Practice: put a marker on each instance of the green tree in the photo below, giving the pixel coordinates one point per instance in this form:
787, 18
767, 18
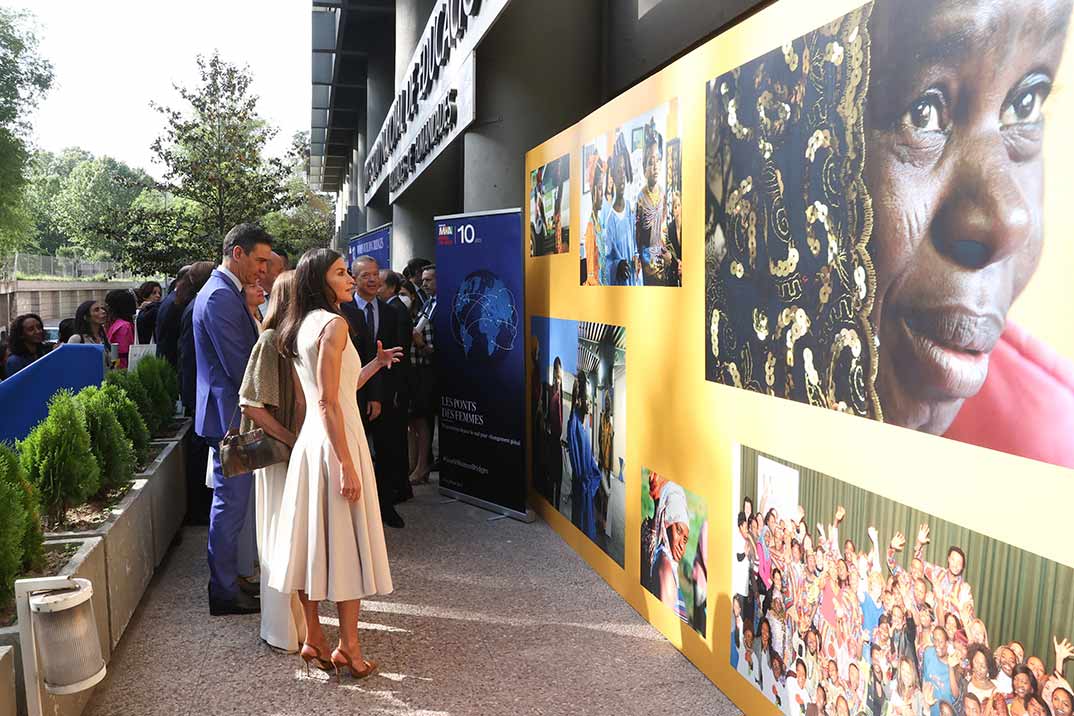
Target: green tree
25, 77
48, 172
95, 194
214, 149
309, 221
160, 232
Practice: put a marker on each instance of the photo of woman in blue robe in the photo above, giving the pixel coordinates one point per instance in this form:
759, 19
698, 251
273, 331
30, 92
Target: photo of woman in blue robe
620, 264
585, 473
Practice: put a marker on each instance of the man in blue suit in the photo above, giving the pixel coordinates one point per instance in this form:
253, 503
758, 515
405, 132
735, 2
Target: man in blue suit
224, 336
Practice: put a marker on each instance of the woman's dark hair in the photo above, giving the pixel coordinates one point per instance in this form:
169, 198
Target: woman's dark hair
17, 333
1040, 702
653, 138
416, 303
82, 321
978, 648
621, 155
311, 293
146, 289
67, 329
1023, 669
958, 622
121, 303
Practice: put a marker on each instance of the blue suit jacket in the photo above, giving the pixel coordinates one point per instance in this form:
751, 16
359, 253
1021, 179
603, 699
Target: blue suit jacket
224, 336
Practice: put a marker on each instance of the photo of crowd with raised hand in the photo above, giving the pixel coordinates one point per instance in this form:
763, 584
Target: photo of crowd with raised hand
834, 616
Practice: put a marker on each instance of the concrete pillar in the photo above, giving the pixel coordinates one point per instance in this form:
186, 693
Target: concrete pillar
436, 190
522, 98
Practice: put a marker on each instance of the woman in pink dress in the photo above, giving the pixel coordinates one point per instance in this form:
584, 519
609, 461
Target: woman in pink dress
121, 307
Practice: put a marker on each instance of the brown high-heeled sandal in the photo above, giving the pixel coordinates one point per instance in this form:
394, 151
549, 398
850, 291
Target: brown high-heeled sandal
311, 653
344, 662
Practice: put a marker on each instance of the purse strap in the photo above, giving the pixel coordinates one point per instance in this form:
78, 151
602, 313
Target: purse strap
235, 430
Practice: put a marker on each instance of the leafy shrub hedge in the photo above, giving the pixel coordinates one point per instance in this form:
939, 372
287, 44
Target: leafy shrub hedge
57, 458
132, 385
129, 418
110, 445
31, 551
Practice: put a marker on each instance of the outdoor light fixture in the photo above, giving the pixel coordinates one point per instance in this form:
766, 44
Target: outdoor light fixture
58, 637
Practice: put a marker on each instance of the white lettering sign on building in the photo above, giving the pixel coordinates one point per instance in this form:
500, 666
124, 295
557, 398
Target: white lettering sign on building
436, 100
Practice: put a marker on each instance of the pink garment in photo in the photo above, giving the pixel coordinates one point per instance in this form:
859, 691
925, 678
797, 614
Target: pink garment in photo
1026, 406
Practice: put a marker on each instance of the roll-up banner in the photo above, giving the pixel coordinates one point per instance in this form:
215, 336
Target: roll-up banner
376, 243
480, 360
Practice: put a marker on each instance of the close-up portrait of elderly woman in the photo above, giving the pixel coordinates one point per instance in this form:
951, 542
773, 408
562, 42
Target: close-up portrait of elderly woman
875, 206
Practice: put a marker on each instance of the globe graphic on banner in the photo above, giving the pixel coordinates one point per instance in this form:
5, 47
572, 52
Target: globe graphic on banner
484, 318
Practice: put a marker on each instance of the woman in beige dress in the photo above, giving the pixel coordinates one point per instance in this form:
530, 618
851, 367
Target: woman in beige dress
329, 540
272, 400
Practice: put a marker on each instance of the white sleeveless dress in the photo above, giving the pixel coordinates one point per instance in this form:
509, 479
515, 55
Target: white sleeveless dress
325, 546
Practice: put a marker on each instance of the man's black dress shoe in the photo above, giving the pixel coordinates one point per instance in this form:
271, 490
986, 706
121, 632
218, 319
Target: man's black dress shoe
391, 518
241, 604
250, 589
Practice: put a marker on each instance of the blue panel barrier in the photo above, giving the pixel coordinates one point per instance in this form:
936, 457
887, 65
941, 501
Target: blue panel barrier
24, 396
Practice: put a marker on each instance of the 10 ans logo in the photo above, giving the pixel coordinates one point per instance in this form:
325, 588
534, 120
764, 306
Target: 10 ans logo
448, 235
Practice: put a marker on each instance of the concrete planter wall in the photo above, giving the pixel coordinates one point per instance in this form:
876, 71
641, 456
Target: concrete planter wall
128, 547
166, 483
7, 680
89, 563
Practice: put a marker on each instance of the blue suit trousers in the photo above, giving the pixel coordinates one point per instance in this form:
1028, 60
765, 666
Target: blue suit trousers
231, 497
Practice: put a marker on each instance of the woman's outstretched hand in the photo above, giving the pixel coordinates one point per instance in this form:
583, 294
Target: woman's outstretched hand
388, 356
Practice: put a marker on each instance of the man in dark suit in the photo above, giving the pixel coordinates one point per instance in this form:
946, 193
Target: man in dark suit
169, 317
224, 336
373, 320
390, 285
198, 497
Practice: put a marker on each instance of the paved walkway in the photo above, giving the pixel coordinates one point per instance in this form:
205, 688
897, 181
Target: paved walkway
487, 618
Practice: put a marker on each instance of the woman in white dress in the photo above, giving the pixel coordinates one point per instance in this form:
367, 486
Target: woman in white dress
272, 399
329, 540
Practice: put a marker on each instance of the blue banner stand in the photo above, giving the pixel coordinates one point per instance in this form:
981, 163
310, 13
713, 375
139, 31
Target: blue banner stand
480, 361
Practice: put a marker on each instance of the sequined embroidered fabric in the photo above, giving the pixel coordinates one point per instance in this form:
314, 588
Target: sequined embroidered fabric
789, 283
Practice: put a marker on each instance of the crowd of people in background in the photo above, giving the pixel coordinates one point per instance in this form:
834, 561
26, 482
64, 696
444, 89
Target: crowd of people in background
823, 627
110, 323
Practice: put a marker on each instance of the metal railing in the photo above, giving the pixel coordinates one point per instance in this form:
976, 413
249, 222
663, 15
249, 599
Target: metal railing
28, 267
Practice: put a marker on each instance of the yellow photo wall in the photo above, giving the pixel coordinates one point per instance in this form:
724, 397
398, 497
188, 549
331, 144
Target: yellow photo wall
871, 229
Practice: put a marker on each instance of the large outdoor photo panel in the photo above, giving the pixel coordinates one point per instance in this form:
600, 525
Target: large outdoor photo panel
875, 206
579, 425
846, 602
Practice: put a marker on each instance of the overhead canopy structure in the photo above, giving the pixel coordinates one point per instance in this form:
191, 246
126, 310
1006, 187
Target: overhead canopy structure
341, 32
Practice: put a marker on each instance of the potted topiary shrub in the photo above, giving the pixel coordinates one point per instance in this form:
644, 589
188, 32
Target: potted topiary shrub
135, 390
110, 445
129, 418
150, 372
57, 458
33, 536
13, 522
